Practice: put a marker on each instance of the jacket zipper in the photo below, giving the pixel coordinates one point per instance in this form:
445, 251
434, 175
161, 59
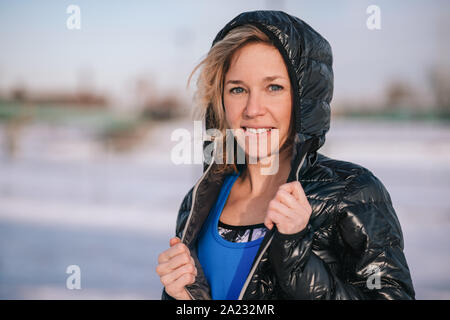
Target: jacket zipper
194, 194
252, 271
258, 259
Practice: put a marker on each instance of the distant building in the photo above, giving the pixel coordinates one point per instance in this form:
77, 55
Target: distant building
80, 99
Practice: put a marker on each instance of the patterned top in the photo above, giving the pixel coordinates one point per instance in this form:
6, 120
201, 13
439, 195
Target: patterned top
241, 233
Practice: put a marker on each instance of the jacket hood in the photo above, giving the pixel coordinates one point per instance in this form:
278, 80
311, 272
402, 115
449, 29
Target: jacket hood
308, 58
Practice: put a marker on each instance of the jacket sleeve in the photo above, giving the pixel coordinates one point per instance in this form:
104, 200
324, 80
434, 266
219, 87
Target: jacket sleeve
368, 246
183, 213
166, 296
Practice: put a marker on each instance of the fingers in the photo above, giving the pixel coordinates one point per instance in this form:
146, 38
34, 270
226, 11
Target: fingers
177, 287
278, 212
290, 202
296, 189
176, 269
286, 198
281, 208
174, 263
270, 220
177, 273
275, 217
173, 241
174, 250
289, 209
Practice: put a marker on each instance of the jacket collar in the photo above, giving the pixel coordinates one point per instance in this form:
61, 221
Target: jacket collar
208, 187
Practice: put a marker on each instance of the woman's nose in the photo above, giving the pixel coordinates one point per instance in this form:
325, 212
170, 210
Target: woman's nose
254, 106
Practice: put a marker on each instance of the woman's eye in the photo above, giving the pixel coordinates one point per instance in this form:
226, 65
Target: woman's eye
237, 90
275, 87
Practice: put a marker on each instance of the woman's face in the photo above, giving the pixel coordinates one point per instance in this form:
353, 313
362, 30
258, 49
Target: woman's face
257, 99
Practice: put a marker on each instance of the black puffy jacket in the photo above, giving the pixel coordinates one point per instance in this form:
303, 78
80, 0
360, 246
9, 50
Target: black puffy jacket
353, 233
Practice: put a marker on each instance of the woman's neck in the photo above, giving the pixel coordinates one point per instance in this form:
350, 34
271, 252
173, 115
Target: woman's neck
267, 174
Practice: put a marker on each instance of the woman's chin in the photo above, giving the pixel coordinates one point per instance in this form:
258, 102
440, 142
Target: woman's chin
254, 157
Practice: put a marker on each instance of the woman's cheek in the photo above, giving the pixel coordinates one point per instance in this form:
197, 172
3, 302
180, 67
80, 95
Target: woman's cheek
232, 114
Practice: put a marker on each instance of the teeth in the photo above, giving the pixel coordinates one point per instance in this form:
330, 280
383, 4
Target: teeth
256, 131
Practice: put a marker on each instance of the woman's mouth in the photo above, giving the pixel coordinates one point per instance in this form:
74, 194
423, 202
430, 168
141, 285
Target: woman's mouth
256, 131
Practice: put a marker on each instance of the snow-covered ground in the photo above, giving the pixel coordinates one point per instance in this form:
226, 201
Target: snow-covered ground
65, 201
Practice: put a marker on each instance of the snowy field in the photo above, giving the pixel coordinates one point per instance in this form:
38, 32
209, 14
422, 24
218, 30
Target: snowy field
65, 201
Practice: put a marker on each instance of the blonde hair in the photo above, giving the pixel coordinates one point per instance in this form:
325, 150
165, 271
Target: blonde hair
210, 82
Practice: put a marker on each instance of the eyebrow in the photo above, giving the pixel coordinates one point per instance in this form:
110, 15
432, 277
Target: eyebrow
266, 79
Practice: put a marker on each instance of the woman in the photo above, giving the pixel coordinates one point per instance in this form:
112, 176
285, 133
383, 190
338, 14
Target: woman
314, 227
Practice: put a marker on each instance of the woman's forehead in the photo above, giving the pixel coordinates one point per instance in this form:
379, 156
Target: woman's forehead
257, 60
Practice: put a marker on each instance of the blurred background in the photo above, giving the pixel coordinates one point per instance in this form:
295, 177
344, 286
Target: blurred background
86, 116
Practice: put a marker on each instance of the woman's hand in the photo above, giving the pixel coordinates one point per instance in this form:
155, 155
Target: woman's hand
176, 269
289, 209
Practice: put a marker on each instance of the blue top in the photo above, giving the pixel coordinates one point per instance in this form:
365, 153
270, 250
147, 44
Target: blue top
226, 264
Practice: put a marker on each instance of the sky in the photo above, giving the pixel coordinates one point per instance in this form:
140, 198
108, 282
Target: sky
162, 41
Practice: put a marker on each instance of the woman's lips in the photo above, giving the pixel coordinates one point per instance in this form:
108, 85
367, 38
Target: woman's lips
257, 131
